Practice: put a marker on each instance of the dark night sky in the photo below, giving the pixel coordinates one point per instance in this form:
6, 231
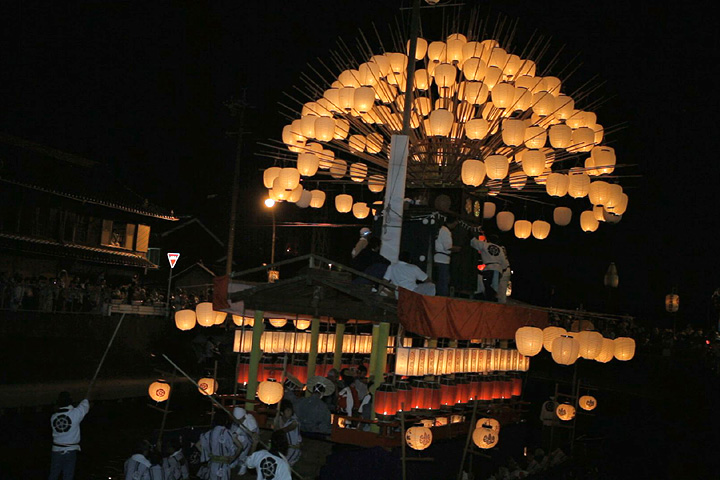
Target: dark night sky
140, 86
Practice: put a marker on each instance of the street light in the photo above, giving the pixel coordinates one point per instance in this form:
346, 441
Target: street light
270, 203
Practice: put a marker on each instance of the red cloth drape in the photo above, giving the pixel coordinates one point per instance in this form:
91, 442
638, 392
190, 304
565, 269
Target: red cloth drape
220, 292
442, 317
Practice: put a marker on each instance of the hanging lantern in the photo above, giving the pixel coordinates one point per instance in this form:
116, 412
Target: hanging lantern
205, 314
603, 159
358, 171
476, 129
473, 172
343, 203
220, 317
278, 322
496, 167
560, 136
529, 340
338, 169
485, 438
557, 184
505, 221
590, 344
301, 323
441, 122
374, 143
185, 319
305, 198
474, 69
562, 216
513, 132
672, 304
159, 391
579, 183
535, 137
624, 348
241, 321
549, 336
518, 180
607, 352
503, 95
269, 176
543, 103
363, 99
270, 392
588, 223
404, 395
207, 386
533, 162
385, 401
587, 402
376, 183
583, 139
475, 93
523, 228
418, 438
288, 179
318, 198
565, 412
488, 209
445, 75
360, 210
324, 128
307, 164
565, 350
564, 107
540, 229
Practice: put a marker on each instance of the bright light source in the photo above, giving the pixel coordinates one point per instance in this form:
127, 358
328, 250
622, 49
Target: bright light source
269, 202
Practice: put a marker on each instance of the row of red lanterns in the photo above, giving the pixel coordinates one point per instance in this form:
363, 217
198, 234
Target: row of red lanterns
267, 370
421, 395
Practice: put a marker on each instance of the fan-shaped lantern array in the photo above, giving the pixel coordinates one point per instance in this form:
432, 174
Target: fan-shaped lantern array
475, 107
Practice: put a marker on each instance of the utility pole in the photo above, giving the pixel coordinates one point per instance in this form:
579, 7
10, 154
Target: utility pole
237, 108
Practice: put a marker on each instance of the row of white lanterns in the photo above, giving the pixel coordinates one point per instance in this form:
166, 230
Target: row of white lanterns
567, 347
299, 342
205, 316
447, 361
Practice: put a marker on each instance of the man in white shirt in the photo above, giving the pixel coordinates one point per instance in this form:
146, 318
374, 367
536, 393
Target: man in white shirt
443, 249
65, 424
407, 275
496, 274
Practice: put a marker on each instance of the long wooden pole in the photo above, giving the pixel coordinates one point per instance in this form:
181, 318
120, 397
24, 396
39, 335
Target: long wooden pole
314, 336
339, 337
467, 440
255, 354
165, 411
102, 360
402, 440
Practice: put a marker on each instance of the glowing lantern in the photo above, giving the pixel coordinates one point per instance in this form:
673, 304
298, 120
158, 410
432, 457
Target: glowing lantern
185, 319
564, 107
476, 129
614, 197
420, 48
318, 198
473, 172
358, 171
496, 167
540, 229
374, 143
445, 75
441, 122
301, 323
505, 221
474, 92
560, 136
565, 350
624, 348
672, 303
343, 203
562, 216
523, 228
385, 401
588, 222
357, 143
338, 169
361, 210
485, 438
220, 317
543, 103
488, 210
241, 321
159, 391
376, 183
278, 322
288, 179
590, 344
603, 159
363, 99
565, 412
535, 137
269, 176
207, 386
518, 180
307, 164
533, 162
270, 392
503, 95
549, 336
583, 139
607, 352
579, 184
513, 132
205, 314
418, 438
557, 184
587, 402
529, 340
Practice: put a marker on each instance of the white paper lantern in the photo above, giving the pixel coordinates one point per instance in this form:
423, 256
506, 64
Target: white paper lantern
205, 314
185, 319
488, 209
533, 162
587, 402
441, 122
343, 203
376, 183
550, 334
607, 351
557, 184
624, 348
523, 228
513, 132
562, 216
269, 176
565, 350
318, 198
590, 344
496, 167
358, 171
560, 136
361, 210
540, 229
529, 340
505, 221
588, 223
338, 169
473, 172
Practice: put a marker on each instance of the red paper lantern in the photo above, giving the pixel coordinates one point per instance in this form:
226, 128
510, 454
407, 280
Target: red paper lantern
463, 390
475, 387
420, 395
517, 386
404, 399
496, 387
386, 397
433, 398
486, 388
243, 373
507, 388
448, 392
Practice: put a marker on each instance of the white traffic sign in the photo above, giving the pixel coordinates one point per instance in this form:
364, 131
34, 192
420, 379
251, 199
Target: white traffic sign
173, 258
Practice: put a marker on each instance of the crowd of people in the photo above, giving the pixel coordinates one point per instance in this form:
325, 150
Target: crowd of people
492, 282
65, 292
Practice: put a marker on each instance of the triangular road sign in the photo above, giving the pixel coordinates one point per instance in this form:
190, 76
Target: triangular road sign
173, 258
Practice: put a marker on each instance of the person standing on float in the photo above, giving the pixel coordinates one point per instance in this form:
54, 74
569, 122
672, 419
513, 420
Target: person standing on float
65, 424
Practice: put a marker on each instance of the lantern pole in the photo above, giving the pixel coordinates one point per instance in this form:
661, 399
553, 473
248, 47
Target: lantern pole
237, 107
314, 336
165, 412
102, 360
255, 354
339, 336
467, 440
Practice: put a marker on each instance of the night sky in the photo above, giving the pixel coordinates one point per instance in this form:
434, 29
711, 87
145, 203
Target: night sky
140, 87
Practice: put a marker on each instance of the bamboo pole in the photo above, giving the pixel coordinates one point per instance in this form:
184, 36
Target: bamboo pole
314, 336
467, 440
102, 360
339, 336
255, 354
165, 411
